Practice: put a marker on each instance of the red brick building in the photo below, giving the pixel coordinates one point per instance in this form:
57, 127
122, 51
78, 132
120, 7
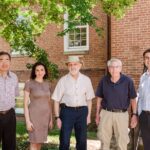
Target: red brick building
125, 39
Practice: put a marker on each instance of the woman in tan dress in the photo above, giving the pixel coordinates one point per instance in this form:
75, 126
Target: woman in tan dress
37, 106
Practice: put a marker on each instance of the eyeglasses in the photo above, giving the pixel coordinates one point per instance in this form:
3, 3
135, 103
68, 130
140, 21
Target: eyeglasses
147, 58
114, 67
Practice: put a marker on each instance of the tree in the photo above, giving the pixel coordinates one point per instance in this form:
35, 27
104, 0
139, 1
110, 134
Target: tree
21, 21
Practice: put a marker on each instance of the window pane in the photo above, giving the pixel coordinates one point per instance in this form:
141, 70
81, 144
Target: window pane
71, 32
83, 36
71, 37
71, 43
83, 43
77, 37
83, 30
77, 43
78, 30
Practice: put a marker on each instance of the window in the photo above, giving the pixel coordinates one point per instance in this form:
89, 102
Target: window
13, 53
76, 40
17, 53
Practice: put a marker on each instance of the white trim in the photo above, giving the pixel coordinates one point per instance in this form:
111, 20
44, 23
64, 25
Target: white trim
66, 39
18, 54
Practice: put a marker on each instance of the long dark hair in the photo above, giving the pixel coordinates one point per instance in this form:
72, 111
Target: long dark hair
33, 75
144, 53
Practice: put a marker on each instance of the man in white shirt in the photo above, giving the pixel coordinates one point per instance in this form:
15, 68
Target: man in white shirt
72, 104
8, 90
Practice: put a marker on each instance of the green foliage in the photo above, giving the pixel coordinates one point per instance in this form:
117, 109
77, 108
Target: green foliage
22, 136
116, 7
22, 21
21, 31
42, 12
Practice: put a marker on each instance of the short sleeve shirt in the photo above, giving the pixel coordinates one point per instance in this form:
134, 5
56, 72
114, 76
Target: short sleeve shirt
116, 95
74, 92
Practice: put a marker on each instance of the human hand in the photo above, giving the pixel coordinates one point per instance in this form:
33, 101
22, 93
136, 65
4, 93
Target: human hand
59, 123
51, 124
88, 119
29, 126
97, 119
134, 121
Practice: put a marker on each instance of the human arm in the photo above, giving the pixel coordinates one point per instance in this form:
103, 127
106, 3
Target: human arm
56, 111
89, 96
98, 109
51, 117
140, 96
57, 96
29, 124
89, 104
133, 122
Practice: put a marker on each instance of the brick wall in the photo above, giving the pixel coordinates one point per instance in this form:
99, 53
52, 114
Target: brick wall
94, 60
54, 45
131, 36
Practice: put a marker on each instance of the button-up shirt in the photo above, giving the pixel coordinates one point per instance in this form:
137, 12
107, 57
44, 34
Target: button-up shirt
144, 93
74, 92
8, 91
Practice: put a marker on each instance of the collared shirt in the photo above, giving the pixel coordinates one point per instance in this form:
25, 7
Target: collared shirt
8, 91
144, 93
74, 92
116, 95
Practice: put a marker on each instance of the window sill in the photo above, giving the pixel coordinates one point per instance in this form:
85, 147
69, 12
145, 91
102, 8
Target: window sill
76, 52
18, 56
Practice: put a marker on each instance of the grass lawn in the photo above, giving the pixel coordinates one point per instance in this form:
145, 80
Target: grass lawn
53, 138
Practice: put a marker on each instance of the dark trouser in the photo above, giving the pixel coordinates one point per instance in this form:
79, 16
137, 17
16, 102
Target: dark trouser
8, 130
144, 121
77, 119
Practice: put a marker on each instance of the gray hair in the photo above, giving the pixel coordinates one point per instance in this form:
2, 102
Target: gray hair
118, 61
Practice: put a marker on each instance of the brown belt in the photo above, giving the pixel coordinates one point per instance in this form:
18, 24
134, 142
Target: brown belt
4, 112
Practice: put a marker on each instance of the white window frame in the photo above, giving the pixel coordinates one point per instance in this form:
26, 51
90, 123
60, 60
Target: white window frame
13, 53
66, 39
18, 54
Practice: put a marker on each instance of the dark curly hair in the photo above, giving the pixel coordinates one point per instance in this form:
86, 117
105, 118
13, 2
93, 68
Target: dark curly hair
33, 75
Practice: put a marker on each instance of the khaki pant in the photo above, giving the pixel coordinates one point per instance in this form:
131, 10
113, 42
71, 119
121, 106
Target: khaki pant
116, 122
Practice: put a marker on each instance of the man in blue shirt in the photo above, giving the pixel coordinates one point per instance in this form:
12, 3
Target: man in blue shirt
114, 94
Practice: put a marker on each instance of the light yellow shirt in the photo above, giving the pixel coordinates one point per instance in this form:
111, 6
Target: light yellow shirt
74, 92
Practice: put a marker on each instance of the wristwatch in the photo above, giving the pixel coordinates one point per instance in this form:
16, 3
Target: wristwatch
56, 117
134, 114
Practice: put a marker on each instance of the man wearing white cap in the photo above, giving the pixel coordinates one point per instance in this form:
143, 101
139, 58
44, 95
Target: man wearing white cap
72, 103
